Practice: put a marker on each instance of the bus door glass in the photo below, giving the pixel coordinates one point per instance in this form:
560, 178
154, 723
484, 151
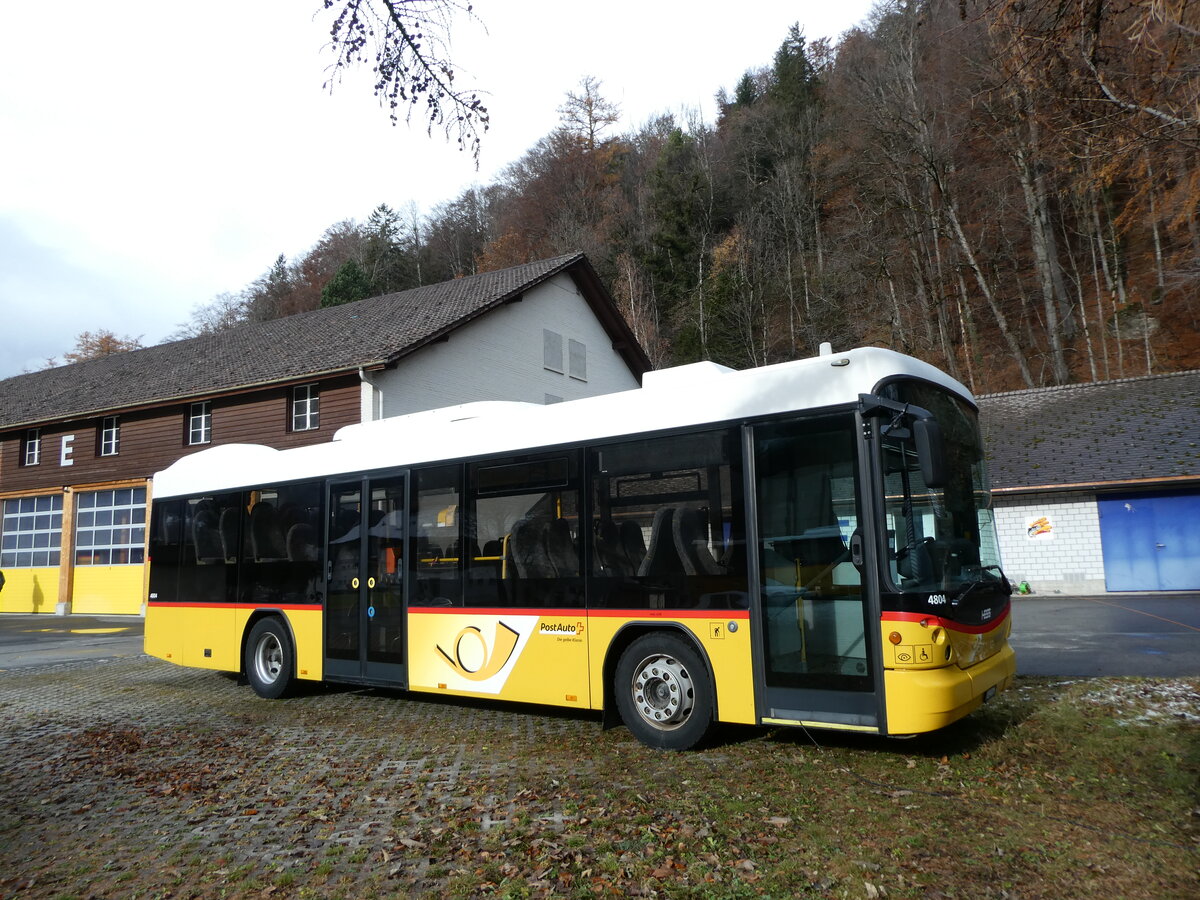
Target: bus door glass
816, 654
364, 614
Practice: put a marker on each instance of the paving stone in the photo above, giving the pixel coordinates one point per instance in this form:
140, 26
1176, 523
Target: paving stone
141, 773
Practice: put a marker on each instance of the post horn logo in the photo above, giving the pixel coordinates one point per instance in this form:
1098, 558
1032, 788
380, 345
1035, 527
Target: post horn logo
473, 659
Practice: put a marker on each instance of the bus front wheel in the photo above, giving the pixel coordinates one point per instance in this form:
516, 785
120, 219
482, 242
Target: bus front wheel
270, 659
663, 693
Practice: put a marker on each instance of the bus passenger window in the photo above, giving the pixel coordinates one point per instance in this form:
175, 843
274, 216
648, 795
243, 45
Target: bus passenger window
280, 556
523, 522
436, 547
210, 548
166, 549
667, 525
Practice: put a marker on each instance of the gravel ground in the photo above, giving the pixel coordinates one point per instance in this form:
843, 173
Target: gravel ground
137, 777
134, 778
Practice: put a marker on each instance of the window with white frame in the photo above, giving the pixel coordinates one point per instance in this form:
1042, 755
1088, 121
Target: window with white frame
31, 532
110, 436
32, 454
110, 527
200, 423
306, 408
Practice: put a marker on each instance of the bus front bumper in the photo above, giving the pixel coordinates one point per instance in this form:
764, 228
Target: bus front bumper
920, 700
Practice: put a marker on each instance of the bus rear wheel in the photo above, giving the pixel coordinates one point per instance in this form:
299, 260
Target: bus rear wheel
663, 693
270, 659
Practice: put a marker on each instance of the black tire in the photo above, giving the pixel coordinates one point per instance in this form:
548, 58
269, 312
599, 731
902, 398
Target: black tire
270, 660
663, 692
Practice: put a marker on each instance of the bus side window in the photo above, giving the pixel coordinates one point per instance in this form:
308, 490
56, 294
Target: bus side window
166, 549
667, 526
208, 573
280, 556
523, 525
436, 537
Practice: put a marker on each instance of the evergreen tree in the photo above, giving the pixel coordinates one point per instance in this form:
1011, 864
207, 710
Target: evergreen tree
389, 265
348, 284
266, 298
793, 76
746, 91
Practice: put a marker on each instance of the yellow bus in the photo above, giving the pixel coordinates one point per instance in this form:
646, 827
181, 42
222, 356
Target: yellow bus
807, 544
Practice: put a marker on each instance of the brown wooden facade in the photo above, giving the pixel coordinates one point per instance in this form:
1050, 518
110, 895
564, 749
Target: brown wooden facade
152, 439
72, 466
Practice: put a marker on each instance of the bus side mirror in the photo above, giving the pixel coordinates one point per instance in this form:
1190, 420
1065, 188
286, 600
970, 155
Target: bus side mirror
931, 451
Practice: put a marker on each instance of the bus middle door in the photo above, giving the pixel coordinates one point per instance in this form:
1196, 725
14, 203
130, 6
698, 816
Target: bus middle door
365, 602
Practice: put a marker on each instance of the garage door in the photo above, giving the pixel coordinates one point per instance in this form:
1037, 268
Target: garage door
1151, 541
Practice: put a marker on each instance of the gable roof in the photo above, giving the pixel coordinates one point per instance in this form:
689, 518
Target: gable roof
370, 333
1131, 431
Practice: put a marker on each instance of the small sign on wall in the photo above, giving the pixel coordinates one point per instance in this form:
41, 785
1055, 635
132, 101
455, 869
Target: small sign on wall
1039, 529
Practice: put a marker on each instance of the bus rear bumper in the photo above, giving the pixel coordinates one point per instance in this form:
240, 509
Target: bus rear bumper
920, 700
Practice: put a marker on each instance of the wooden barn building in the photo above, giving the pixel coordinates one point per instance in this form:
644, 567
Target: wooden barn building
79, 444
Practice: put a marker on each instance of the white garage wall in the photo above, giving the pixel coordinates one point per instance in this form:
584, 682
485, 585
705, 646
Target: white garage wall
1068, 560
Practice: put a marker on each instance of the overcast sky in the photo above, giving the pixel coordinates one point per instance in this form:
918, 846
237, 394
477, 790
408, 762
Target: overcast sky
155, 154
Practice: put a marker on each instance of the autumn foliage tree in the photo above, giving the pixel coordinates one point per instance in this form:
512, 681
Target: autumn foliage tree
1008, 190
96, 345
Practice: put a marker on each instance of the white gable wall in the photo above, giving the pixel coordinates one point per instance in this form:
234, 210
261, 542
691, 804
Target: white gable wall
500, 356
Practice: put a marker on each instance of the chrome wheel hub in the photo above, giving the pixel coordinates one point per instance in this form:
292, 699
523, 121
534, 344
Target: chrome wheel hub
268, 658
662, 692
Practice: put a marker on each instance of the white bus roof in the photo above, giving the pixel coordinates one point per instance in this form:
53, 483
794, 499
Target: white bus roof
669, 398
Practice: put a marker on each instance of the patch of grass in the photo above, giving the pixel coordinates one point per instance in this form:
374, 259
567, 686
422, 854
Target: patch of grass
1056, 789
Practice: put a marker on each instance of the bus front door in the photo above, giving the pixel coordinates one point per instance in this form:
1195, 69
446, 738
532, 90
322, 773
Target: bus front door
364, 607
817, 660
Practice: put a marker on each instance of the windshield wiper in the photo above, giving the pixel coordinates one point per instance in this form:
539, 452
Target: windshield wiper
970, 588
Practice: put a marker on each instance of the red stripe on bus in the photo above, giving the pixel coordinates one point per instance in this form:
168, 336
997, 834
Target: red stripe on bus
489, 611
672, 613
168, 604
610, 613
892, 616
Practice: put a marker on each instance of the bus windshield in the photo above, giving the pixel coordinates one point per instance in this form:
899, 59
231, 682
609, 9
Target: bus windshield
939, 539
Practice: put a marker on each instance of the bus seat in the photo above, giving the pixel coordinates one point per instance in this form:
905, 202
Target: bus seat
301, 543
266, 539
661, 556
691, 543
560, 549
611, 558
206, 537
427, 550
915, 563
229, 532
633, 543
528, 548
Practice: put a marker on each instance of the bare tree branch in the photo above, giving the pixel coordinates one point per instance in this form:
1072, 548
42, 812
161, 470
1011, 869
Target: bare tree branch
405, 43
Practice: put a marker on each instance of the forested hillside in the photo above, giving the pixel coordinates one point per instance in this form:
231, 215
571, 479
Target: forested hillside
1007, 189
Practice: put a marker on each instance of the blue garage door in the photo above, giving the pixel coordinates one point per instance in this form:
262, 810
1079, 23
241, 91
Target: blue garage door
1151, 541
